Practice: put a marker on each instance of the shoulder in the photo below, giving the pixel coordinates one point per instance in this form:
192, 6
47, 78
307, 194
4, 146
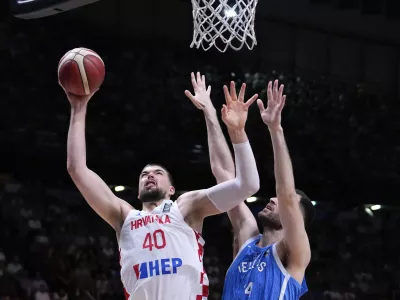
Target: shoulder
184, 209
250, 243
190, 196
190, 203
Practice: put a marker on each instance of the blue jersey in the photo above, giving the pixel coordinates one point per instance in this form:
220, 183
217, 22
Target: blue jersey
257, 273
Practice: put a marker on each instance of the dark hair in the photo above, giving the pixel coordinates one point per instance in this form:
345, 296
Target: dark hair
307, 208
164, 168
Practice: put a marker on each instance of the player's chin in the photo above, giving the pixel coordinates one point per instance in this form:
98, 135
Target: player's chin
151, 195
262, 214
266, 215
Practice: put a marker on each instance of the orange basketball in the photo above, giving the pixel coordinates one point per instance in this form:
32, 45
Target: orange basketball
81, 71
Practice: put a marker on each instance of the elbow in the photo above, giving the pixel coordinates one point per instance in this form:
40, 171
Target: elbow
254, 187
71, 168
74, 169
251, 186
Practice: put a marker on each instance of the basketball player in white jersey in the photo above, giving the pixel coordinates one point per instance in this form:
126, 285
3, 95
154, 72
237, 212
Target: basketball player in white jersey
161, 247
269, 266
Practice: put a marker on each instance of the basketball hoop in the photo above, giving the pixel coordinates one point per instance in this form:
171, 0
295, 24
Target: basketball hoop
218, 23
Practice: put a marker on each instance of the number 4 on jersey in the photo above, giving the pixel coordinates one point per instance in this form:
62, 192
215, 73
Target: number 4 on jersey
247, 291
148, 242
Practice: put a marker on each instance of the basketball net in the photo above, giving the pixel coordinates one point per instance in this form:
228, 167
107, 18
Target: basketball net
219, 24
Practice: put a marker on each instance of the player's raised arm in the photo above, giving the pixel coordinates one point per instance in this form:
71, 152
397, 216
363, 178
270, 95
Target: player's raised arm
93, 188
225, 196
295, 238
222, 165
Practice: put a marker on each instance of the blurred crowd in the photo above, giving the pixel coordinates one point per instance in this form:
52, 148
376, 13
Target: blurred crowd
343, 139
55, 247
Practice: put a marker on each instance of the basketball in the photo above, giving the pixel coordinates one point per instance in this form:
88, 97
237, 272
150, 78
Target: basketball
81, 71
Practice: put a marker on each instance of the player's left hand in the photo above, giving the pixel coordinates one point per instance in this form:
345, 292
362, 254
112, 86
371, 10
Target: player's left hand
276, 101
201, 98
234, 113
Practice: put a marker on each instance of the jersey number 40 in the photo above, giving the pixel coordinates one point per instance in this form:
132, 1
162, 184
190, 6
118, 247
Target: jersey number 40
156, 240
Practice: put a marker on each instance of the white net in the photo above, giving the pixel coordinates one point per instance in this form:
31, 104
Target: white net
223, 24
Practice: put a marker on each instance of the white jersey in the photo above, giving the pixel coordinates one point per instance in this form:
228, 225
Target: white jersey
161, 256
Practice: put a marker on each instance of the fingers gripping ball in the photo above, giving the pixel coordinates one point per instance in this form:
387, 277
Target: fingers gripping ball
81, 71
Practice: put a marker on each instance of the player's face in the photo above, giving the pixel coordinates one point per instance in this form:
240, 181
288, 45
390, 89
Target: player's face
154, 184
269, 216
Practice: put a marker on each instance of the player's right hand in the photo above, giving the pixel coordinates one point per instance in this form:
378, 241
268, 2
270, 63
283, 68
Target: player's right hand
77, 100
234, 113
201, 98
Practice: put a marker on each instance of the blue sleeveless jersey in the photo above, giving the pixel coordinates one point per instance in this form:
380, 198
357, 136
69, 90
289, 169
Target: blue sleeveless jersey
257, 273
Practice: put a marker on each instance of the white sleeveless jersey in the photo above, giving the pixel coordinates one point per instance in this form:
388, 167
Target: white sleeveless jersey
161, 256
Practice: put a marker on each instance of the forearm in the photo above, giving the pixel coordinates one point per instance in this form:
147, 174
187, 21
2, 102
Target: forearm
222, 165
283, 166
227, 195
76, 144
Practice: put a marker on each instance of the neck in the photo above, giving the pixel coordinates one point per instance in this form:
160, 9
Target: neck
270, 237
150, 206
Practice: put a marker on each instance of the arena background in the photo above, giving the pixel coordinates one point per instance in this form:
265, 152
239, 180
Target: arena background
340, 63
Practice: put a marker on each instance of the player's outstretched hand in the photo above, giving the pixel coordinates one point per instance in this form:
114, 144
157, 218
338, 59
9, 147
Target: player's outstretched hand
75, 100
201, 98
276, 101
234, 112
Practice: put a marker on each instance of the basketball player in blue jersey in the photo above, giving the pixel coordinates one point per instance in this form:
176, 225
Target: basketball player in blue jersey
271, 265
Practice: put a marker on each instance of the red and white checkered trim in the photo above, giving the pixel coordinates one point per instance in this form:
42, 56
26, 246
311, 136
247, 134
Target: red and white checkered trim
200, 244
203, 275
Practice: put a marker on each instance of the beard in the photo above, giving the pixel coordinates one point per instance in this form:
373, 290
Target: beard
153, 195
270, 221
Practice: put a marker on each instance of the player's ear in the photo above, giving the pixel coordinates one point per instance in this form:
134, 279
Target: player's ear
171, 190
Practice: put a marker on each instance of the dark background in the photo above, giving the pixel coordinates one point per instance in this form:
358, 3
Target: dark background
339, 61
